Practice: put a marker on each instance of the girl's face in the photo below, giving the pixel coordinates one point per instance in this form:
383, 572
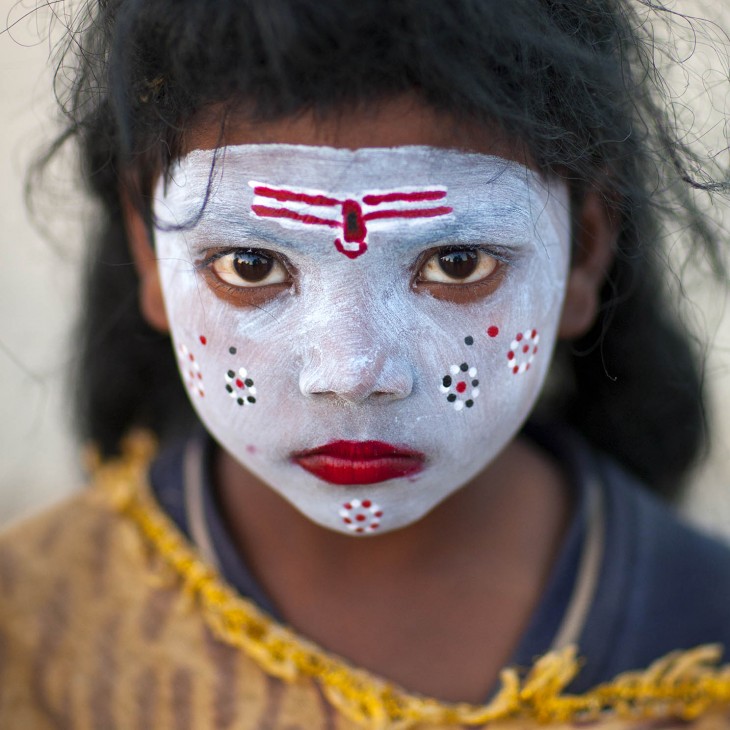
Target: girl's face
363, 329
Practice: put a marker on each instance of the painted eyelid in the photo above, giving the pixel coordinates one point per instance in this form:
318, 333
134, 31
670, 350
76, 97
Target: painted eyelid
501, 256
206, 264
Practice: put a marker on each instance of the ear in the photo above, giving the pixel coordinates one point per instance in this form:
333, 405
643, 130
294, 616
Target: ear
595, 232
151, 302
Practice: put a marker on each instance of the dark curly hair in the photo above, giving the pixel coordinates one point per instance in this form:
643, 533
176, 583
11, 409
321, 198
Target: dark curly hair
574, 81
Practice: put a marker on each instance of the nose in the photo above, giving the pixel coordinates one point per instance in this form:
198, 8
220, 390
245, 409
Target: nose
353, 364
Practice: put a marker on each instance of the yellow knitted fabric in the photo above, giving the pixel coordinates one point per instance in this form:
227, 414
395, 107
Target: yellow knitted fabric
108, 619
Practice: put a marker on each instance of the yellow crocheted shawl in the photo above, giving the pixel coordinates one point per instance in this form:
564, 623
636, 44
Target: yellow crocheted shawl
109, 619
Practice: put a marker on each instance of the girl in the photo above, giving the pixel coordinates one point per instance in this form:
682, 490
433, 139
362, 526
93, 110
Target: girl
362, 236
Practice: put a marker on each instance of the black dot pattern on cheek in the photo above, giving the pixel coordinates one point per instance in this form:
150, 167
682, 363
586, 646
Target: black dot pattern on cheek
474, 383
229, 388
232, 350
464, 367
469, 403
451, 397
447, 381
239, 401
231, 374
248, 382
251, 399
469, 340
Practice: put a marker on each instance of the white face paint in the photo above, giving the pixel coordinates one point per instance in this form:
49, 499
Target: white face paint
358, 378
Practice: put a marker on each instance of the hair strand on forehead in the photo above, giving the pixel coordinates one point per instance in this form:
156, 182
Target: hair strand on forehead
577, 83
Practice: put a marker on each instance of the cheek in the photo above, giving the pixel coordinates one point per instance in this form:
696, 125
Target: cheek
487, 368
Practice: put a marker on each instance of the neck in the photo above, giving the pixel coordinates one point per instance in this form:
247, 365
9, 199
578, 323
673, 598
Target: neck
459, 585
512, 516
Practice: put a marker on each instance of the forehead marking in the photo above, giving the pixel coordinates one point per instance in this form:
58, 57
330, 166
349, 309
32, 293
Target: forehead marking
349, 213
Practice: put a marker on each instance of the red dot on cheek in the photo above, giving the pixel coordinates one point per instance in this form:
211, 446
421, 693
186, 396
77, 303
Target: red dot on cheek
239, 383
366, 503
360, 518
460, 387
203, 340
493, 331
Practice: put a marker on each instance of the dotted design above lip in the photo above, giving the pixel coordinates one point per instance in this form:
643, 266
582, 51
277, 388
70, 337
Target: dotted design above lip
461, 386
240, 387
361, 515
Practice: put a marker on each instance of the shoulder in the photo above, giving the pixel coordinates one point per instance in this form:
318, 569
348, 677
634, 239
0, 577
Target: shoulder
671, 558
664, 584
56, 538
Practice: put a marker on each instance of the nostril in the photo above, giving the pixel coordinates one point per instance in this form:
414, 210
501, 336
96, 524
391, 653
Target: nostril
357, 378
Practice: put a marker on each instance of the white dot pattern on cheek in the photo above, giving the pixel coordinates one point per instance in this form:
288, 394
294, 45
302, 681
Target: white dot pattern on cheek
190, 370
522, 351
240, 387
461, 386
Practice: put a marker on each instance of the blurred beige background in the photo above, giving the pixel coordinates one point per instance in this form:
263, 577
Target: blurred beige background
39, 277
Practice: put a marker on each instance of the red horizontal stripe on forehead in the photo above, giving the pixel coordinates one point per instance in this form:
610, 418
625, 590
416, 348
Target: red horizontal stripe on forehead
284, 196
415, 213
404, 197
265, 212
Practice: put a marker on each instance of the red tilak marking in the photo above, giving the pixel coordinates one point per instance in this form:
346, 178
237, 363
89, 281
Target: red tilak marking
353, 222
266, 212
203, 340
284, 196
351, 254
404, 197
416, 213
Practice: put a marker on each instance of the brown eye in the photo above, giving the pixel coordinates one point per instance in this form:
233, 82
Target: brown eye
252, 266
457, 266
249, 268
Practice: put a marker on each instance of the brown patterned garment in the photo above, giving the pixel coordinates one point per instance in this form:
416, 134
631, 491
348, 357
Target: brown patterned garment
97, 632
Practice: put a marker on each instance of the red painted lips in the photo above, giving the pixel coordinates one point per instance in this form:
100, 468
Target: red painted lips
359, 462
